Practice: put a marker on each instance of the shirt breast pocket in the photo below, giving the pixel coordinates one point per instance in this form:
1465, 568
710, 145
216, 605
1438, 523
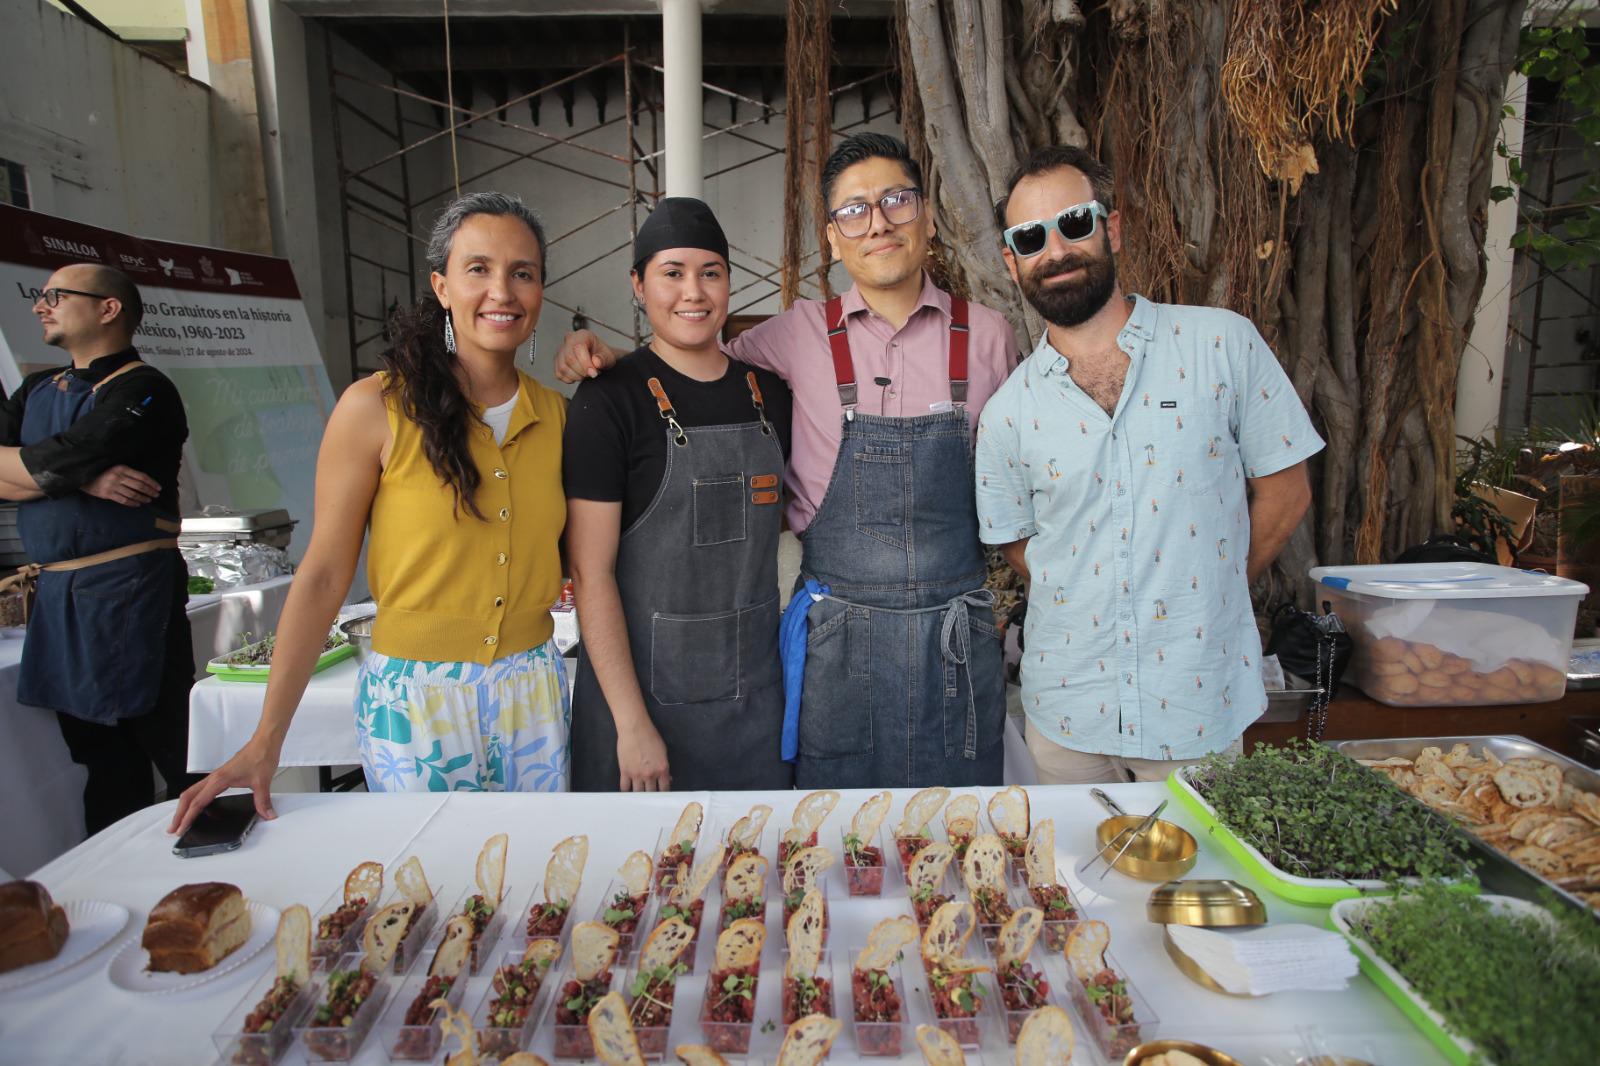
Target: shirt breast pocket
1187, 450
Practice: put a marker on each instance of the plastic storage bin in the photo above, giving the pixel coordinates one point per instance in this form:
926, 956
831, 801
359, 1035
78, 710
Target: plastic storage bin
1454, 634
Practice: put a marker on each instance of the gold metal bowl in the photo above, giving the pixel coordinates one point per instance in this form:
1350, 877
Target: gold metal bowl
1145, 1052
1205, 903
1165, 851
1194, 971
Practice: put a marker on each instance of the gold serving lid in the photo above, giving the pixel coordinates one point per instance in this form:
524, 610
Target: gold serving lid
1210, 904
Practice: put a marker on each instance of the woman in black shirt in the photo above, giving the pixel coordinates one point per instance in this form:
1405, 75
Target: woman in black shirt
673, 464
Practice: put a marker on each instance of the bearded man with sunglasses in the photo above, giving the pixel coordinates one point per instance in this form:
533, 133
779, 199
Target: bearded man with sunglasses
1140, 467
92, 451
892, 663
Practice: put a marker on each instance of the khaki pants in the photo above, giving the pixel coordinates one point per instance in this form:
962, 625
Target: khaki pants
1057, 765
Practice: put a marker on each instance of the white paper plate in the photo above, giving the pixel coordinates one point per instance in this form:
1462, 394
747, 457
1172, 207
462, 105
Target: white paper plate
92, 925
128, 965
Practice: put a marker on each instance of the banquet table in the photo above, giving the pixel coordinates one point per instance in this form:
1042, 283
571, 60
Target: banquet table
38, 777
79, 1015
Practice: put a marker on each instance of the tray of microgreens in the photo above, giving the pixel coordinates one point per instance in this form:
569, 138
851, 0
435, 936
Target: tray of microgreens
253, 662
1316, 826
1488, 979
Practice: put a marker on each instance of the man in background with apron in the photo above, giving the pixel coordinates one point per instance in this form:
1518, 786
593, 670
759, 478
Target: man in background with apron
899, 678
92, 452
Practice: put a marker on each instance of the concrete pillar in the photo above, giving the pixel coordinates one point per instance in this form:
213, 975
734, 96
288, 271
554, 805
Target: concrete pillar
1480, 381
239, 204
685, 119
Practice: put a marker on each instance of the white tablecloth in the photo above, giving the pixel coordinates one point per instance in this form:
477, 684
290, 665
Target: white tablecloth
223, 714
40, 783
303, 856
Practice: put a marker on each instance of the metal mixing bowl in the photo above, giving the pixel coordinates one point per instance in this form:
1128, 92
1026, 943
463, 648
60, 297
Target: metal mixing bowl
359, 632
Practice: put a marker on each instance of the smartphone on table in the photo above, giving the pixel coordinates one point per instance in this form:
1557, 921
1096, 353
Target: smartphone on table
222, 826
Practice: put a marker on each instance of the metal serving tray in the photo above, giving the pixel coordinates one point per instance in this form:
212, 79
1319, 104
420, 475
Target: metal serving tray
1290, 703
219, 525
1498, 872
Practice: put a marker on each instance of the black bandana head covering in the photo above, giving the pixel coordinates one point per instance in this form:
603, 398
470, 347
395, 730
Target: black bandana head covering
678, 222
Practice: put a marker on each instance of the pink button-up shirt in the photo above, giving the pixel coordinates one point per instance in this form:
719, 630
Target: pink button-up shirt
915, 358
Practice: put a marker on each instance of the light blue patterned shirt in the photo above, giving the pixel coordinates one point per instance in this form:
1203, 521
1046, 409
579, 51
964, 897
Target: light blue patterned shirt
1140, 640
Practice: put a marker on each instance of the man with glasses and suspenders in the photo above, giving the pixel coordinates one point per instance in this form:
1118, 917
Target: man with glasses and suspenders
898, 682
1138, 470
92, 452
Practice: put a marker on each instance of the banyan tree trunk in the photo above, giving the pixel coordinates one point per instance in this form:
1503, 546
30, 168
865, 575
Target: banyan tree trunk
1320, 167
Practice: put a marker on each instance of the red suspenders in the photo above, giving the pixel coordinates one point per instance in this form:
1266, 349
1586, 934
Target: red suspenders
844, 368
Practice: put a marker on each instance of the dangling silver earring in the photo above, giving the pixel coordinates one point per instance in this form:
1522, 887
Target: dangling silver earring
449, 335
533, 347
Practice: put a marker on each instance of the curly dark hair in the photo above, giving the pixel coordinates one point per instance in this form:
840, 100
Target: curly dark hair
422, 371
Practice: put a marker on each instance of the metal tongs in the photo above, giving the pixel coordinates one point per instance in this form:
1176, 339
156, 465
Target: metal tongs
1132, 834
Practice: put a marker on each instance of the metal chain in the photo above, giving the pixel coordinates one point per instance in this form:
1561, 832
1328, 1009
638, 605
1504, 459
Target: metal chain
1317, 714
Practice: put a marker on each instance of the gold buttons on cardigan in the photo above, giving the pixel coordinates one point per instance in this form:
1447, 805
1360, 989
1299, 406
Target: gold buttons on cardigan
499, 601
491, 641
500, 560
501, 474
505, 514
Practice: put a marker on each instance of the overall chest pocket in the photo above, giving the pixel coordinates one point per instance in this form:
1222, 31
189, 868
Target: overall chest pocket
882, 483
719, 510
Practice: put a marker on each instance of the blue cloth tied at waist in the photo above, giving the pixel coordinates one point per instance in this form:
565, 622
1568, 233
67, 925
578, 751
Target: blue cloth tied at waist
795, 628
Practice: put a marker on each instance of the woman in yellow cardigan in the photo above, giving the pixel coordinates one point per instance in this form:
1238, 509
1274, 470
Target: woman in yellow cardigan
453, 458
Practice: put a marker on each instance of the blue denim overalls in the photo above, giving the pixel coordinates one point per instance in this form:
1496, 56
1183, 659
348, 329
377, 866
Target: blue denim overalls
902, 683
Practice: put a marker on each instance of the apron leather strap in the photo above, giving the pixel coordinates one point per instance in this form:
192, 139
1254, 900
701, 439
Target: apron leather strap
844, 372
755, 398
27, 576
668, 414
97, 386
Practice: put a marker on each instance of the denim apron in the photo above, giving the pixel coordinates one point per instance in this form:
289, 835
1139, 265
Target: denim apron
97, 637
698, 576
902, 679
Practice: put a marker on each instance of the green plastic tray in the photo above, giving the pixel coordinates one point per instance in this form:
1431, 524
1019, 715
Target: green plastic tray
1315, 891
1457, 1049
258, 674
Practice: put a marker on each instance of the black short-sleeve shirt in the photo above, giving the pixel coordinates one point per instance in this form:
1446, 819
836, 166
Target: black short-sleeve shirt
615, 447
137, 420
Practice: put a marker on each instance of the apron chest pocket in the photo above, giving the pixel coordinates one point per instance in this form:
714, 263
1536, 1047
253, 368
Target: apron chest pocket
719, 510
695, 658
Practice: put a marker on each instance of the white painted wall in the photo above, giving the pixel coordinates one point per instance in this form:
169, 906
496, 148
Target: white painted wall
108, 136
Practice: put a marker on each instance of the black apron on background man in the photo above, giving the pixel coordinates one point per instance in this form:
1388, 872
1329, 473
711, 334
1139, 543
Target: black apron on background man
108, 641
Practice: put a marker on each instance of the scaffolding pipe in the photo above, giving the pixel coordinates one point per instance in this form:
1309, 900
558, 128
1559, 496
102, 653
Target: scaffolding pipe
682, 95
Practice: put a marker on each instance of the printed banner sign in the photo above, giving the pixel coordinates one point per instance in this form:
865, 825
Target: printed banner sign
228, 328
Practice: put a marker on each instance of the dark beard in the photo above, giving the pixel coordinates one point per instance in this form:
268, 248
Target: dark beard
1074, 303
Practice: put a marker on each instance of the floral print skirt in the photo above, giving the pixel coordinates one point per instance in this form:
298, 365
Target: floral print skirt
454, 727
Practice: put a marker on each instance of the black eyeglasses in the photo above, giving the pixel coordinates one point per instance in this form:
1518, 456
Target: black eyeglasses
899, 207
52, 297
1075, 223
